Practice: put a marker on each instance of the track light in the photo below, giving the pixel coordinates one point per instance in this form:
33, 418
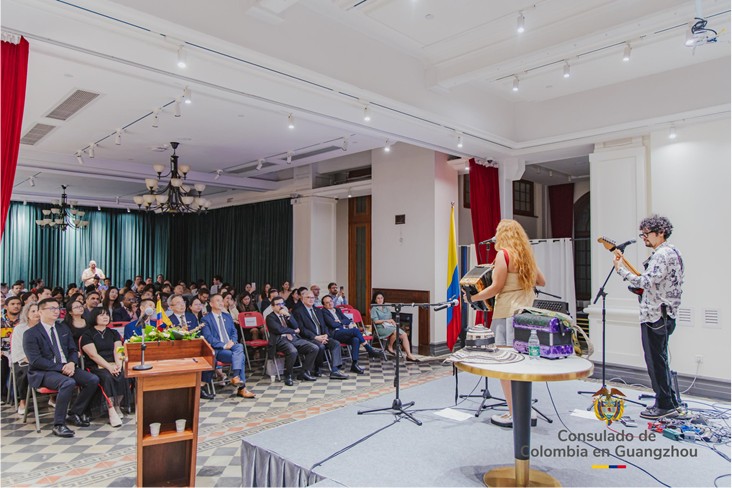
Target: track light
99, 207
346, 142
156, 119
626, 52
177, 107
565, 70
520, 23
128, 209
32, 181
672, 132
290, 122
366, 114
79, 159
551, 173
187, 95
260, 163
91, 149
460, 140
181, 57
467, 167
515, 84
218, 174
387, 146
116, 200
349, 193
289, 157
118, 137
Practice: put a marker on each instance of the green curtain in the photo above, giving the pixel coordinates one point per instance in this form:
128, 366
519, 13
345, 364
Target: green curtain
243, 244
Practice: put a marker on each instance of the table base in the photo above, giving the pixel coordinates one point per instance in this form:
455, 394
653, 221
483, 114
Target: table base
506, 476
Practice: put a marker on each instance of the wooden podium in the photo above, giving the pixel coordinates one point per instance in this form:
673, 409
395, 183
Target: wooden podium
168, 392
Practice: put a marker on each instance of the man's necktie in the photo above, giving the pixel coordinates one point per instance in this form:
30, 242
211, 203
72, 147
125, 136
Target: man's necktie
315, 319
284, 324
56, 350
222, 331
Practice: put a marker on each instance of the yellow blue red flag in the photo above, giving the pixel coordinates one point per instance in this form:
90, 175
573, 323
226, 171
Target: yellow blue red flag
161, 315
454, 315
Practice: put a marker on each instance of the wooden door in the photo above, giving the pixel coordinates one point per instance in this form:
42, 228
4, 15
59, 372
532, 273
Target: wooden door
359, 254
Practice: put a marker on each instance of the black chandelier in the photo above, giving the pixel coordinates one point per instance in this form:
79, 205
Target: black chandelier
175, 196
63, 215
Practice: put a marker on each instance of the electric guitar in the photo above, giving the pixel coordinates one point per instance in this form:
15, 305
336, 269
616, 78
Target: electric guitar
611, 246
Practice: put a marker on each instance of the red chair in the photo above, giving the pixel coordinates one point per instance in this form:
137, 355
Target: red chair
251, 321
119, 327
32, 392
355, 315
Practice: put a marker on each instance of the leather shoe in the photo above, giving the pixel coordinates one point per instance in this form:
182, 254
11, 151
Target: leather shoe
72, 418
373, 353
337, 375
85, 418
288, 381
236, 381
306, 377
355, 368
244, 393
316, 374
62, 431
206, 395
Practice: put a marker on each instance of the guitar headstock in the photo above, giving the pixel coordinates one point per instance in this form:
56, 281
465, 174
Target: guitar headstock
608, 243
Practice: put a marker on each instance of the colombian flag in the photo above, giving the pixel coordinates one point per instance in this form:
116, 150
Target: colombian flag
454, 316
163, 319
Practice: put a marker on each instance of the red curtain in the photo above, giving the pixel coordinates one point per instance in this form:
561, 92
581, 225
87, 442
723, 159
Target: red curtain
14, 66
485, 207
561, 209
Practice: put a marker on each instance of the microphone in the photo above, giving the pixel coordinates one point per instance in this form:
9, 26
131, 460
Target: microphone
492, 240
622, 246
149, 312
452, 303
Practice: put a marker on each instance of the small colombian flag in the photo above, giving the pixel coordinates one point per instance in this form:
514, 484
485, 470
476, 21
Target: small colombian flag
162, 316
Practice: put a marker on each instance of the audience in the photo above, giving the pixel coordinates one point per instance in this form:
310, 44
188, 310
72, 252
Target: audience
29, 317
343, 330
88, 275
315, 290
285, 290
215, 284
338, 296
273, 292
284, 337
135, 327
91, 302
111, 300
293, 301
314, 329
385, 326
74, 319
123, 312
52, 357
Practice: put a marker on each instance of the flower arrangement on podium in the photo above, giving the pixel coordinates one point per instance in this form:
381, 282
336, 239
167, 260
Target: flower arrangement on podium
171, 333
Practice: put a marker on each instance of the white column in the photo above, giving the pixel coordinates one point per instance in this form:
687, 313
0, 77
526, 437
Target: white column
314, 241
509, 170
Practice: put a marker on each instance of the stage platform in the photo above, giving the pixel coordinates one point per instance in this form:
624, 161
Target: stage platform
445, 452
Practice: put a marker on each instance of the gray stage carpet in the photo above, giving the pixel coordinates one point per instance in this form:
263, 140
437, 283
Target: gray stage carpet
445, 452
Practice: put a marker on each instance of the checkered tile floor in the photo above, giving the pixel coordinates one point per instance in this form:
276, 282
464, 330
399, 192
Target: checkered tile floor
103, 456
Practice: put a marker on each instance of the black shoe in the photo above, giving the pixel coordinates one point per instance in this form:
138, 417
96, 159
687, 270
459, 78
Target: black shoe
337, 375
288, 381
306, 377
316, 373
355, 368
72, 418
85, 418
62, 431
206, 395
653, 413
373, 353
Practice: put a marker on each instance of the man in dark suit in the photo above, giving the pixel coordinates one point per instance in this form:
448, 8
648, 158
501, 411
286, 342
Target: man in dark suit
186, 319
52, 357
314, 330
341, 329
284, 337
220, 333
123, 312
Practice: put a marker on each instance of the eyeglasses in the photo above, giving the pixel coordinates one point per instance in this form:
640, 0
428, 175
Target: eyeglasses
644, 235
53, 309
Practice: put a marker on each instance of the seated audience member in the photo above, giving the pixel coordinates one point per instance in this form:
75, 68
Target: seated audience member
58, 294
285, 290
293, 302
220, 333
284, 337
126, 288
195, 307
273, 292
138, 284
215, 285
314, 330
338, 296
342, 329
190, 321
123, 311
111, 300
159, 282
29, 317
100, 345
245, 303
179, 289
148, 292
193, 287
28, 296
43, 292
135, 327
261, 296
74, 320
385, 326
166, 289
203, 295
91, 302
315, 290
52, 357
180, 317
16, 290
11, 315
71, 290
230, 306
4, 289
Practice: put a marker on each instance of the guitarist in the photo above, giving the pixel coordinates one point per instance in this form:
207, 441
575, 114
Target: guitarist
661, 281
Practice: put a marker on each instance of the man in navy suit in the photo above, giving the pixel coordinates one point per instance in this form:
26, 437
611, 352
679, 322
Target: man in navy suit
52, 357
135, 326
314, 330
182, 318
338, 328
220, 333
284, 337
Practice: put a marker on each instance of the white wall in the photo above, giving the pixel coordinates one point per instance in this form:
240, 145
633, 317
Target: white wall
314, 231
580, 188
463, 217
341, 246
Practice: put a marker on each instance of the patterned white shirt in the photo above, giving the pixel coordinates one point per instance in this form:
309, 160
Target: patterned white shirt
661, 282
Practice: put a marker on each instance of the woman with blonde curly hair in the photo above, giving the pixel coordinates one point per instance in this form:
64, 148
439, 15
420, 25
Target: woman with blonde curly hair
515, 274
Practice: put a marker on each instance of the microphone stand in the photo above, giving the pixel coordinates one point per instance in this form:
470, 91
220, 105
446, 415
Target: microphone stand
142, 366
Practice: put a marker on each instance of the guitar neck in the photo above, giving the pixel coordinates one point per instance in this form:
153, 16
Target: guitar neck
630, 267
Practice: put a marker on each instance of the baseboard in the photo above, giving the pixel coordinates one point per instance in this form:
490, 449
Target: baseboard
439, 349
703, 387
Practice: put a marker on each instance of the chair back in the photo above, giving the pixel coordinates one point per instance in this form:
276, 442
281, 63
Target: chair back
353, 314
251, 320
119, 327
81, 354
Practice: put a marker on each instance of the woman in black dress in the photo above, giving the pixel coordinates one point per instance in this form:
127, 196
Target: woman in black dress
100, 344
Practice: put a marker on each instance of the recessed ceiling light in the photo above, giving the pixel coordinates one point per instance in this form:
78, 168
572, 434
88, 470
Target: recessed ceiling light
429, 17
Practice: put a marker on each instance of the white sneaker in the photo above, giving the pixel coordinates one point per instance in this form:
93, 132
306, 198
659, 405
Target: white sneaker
504, 420
114, 419
21, 410
52, 402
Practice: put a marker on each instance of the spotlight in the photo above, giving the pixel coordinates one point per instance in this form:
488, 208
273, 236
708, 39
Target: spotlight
177, 107
349, 193
346, 142
290, 122
118, 137
187, 95
181, 57
387, 146
467, 167
565, 71
128, 208
672, 132
218, 174
91, 149
32, 181
515, 86
156, 117
551, 173
79, 159
366, 114
289, 157
99, 207
460, 141
116, 200
626, 52
260, 163
520, 23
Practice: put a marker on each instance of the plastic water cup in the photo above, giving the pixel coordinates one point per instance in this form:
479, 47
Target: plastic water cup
180, 425
155, 429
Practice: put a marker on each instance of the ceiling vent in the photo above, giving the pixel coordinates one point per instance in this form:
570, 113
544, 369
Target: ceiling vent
37, 132
75, 102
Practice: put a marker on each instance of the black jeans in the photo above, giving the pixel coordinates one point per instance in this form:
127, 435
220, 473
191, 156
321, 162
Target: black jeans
654, 337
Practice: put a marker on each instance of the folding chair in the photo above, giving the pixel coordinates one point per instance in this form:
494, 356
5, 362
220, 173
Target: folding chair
249, 321
355, 316
32, 393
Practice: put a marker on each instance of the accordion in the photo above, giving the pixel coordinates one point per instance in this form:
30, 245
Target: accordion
476, 280
553, 329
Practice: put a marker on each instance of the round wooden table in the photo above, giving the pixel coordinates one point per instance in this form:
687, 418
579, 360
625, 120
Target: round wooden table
521, 374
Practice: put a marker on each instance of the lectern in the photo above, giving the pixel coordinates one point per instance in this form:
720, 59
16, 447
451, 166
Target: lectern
168, 392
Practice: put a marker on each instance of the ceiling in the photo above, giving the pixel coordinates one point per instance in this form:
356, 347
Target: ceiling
428, 70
